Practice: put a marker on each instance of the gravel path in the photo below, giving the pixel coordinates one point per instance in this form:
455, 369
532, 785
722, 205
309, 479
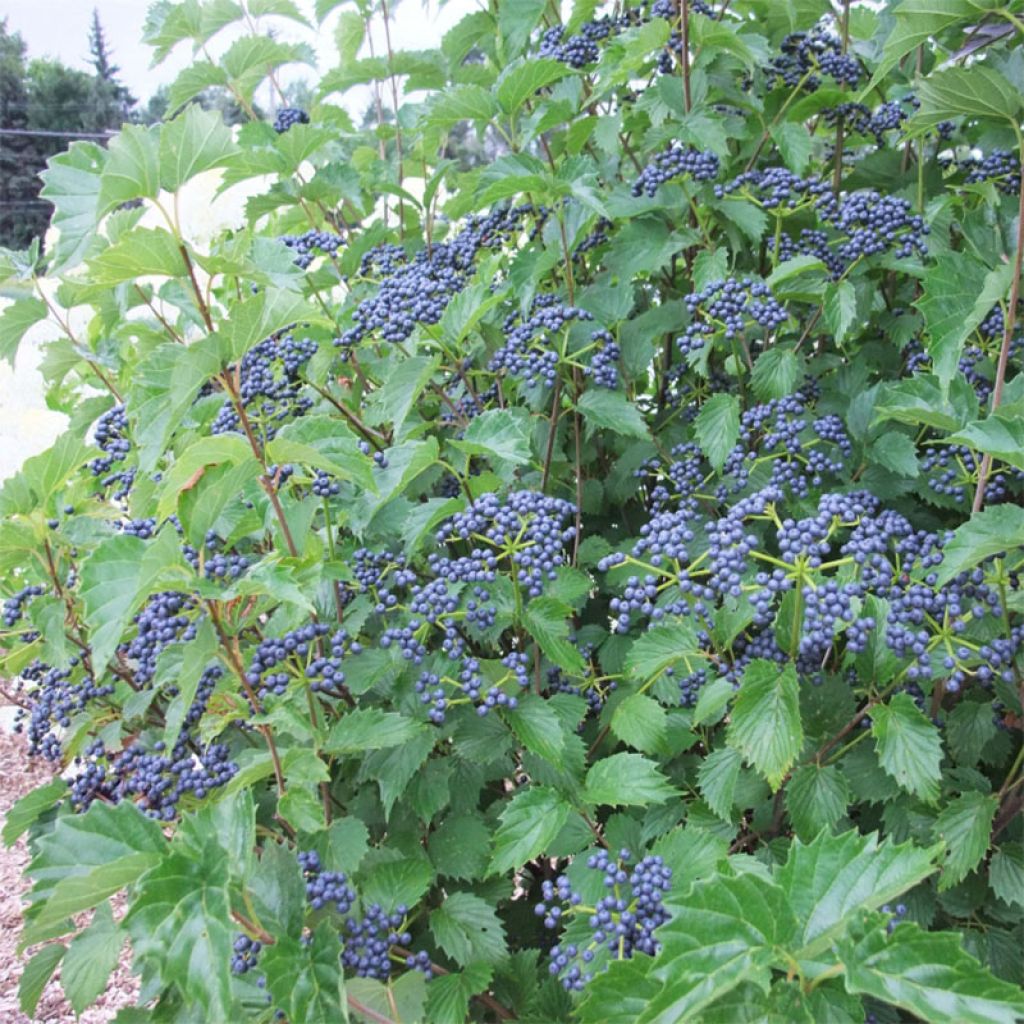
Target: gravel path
18, 774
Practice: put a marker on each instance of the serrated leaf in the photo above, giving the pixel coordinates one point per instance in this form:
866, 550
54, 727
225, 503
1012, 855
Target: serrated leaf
449, 1000
640, 721
73, 186
27, 810
626, 780
458, 847
975, 91
370, 729
929, 975
833, 879
90, 959
717, 427
546, 620
36, 974
463, 103
1001, 436
501, 434
776, 373
840, 309
816, 798
138, 253
398, 882
132, 170
538, 728
529, 824
1006, 874
41, 475
15, 321
722, 933
895, 451
612, 410
795, 145
519, 82
305, 979
969, 728
180, 925
193, 142
661, 647
951, 308
965, 825
713, 699
908, 744
765, 725
717, 777
989, 532
256, 318
468, 929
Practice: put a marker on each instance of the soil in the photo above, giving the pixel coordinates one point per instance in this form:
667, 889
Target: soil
20, 773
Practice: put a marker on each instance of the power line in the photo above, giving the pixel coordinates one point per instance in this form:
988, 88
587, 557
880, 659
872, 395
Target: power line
108, 133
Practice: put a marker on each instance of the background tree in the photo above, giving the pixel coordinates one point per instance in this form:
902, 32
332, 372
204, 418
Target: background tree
114, 103
22, 215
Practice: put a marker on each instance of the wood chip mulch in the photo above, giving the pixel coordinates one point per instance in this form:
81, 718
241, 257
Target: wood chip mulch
18, 774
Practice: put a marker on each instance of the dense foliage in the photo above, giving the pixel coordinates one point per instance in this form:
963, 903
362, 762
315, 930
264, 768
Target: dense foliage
585, 586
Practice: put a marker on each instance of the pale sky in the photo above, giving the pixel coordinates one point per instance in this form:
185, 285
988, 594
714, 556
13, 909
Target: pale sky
60, 28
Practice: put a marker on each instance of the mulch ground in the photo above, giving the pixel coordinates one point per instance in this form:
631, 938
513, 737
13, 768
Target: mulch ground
20, 773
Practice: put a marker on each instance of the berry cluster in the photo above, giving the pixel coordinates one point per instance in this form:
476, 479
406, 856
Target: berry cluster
269, 386
368, 941
325, 887
15, 604
604, 363
727, 308
288, 117
806, 57
530, 354
623, 921
305, 653
307, 245
164, 620
417, 290
674, 162
111, 437
1000, 166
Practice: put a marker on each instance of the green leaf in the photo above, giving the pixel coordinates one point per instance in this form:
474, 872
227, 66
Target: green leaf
529, 824
840, 309
965, 825
406, 381
132, 170
195, 141
660, 647
626, 780
458, 847
117, 576
27, 809
538, 728
1006, 874
42, 475
258, 317
463, 103
969, 728
620, 993
989, 532
195, 658
450, 999
304, 978
916, 22
163, 386
929, 975
90, 959
718, 427
370, 729
501, 434
516, 20
393, 767
909, 748
1001, 436
519, 82
37, 973
611, 410
717, 777
323, 442
952, 308
468, 929
896, 452
713, 700
765, 725
640, 721
832, 880
73, 186
546, 620
795, 145
816, 798
181, 930
398, 882
15, 321
722, 933
776, 373
137, 253
978, 91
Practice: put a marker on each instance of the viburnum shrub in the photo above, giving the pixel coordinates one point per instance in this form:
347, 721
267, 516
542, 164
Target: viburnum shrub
552, 554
